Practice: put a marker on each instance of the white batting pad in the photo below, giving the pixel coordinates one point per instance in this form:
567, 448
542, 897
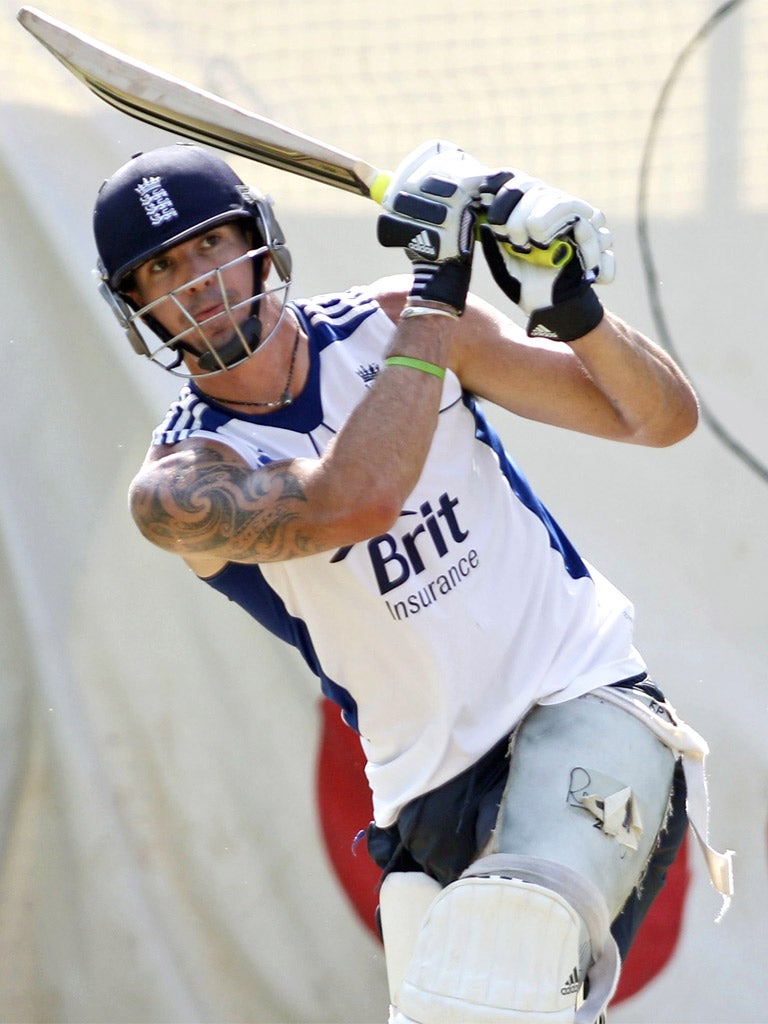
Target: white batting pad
404, 899
495, 950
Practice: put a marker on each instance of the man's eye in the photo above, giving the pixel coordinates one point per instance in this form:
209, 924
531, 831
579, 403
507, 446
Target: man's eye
159, 266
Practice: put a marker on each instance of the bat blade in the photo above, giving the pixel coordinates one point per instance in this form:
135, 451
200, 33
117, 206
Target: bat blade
166, 102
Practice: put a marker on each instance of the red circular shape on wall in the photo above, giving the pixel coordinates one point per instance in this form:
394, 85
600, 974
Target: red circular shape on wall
660, 931
344, 803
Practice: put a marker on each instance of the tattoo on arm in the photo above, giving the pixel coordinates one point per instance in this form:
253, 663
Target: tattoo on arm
205, 503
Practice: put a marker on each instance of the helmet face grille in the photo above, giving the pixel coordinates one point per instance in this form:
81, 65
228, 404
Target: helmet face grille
159, 199
217, 343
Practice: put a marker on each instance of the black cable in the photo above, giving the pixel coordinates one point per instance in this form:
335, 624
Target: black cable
649, 268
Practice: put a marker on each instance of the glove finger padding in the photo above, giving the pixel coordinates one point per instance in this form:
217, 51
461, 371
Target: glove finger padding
593, 241
428, 228
430, 208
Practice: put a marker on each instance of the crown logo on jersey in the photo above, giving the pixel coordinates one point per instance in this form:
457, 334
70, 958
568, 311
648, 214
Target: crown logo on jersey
155, 201
368, 373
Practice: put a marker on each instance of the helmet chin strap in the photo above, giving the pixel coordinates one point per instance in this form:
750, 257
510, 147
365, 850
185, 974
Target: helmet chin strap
241, 343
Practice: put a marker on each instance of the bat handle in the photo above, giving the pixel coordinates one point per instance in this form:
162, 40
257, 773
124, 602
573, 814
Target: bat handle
556, 255
379, 186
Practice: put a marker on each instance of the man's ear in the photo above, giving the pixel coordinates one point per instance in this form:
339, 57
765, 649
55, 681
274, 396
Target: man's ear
128, 289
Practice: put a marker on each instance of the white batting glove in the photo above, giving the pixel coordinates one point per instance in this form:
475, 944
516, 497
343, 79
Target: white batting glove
545, 249
525, 212
431, 208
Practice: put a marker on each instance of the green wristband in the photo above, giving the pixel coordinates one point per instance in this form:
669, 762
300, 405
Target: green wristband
416, 364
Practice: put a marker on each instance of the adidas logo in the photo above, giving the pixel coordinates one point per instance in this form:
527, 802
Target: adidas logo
540, 331
423, 244
572, 984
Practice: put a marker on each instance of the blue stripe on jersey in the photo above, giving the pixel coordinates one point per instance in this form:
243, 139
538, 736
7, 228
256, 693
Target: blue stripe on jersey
335, 317
522, 489
246, 586
187, 415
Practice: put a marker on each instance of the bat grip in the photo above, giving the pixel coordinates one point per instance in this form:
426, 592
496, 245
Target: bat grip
556, 255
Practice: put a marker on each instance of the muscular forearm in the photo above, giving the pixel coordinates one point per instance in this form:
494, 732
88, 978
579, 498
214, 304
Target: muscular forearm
653, 402
377, 457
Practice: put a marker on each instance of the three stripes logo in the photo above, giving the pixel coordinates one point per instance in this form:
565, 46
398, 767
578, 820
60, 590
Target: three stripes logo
423, 245
572, 984
540, 331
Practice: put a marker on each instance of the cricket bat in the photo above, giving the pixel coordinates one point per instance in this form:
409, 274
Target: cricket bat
166, 102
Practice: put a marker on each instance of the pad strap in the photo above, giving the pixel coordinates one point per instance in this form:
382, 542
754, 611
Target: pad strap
664, 722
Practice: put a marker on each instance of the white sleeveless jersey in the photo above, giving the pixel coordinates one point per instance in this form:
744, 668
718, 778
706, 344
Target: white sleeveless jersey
434, 638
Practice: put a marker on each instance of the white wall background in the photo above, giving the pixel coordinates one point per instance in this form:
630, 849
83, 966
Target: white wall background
160, 858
